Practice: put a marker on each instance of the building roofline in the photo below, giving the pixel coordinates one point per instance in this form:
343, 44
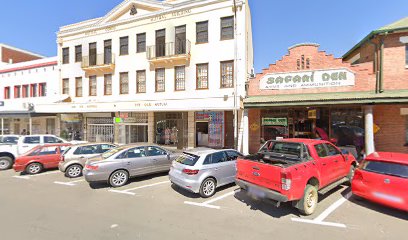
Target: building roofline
21, 50
29, 65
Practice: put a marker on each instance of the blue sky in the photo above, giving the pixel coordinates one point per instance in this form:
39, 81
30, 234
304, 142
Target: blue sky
277, 24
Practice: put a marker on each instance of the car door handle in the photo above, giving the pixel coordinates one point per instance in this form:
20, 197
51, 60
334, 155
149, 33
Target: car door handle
336, 160
324, 164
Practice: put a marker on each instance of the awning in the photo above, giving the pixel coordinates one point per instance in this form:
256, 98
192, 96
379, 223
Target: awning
328, 98
25, 114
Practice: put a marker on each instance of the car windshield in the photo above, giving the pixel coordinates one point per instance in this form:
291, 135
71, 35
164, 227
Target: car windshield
187, 159
386, 168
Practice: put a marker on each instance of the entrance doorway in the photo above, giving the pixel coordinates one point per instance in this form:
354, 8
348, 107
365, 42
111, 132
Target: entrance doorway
202, 134
133, 133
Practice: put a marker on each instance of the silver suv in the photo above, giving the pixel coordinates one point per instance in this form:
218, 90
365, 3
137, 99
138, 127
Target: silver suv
74, 158
203, 170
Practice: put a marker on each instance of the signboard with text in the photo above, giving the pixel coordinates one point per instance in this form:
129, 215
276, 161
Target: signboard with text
274, 122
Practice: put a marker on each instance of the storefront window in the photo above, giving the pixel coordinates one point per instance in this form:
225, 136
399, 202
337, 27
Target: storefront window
210, 129
71, 127
347, 127
171, 129
133, 127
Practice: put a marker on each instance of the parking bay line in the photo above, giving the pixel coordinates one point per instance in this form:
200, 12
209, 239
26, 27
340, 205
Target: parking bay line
128, 191
319, 219
207, 204
37, 175
71, 183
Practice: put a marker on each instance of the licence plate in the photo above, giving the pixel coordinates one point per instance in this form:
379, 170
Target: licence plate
256, 193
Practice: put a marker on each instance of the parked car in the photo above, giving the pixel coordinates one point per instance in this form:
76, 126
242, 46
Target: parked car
119, 164
295, 170
203, 170
39, 158
74, 158
9, 139
383, 178
9, 152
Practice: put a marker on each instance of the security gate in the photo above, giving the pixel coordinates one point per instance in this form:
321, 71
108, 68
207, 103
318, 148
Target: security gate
100, 130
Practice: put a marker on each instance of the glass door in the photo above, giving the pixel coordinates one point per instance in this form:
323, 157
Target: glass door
180, 40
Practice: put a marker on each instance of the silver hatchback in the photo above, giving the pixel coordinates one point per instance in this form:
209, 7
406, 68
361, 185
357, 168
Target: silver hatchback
203, 170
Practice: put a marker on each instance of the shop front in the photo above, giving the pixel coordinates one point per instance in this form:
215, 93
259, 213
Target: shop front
171, 129
71, 126
214, 129
27, 123
132, 127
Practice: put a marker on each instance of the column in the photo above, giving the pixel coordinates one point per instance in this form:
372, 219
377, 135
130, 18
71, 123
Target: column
191, 131
245, 137
2, 126
150, 127
30, 127
369, 129
116, 130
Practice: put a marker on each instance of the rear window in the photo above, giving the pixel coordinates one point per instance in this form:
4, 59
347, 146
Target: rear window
12, 140
386, 168
66, 151
187, 159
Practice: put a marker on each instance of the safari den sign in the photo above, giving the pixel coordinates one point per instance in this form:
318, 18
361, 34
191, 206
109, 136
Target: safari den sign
308, 79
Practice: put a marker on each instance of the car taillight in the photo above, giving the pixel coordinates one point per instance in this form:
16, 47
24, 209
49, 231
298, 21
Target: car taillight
358, 175
190, 171
91, 167
286, 180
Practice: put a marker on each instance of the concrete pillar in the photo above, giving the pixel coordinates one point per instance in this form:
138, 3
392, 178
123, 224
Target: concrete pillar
369, 129
151, 133
2, 126
116, 130
191, 130
30, 125
245, 135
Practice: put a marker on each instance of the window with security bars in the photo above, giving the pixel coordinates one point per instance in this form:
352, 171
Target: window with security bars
160, 80
124, 83
202, 32
65, 55
227, 74
227, 28
78, 53
202, 76
107, 84
141, 81
65, 86
124, 46
180, 78
92, 86
78, 87
141, 42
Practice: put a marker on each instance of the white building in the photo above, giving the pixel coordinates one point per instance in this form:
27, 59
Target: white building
157, 71
10, 55
23, 86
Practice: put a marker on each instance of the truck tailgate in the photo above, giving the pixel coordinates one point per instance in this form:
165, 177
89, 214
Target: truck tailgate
261, 174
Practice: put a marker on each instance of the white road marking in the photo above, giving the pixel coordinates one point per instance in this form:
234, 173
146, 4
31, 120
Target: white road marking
114, 226
71, 183
207, 204
36, 175
319, 219
22, 177
128, 191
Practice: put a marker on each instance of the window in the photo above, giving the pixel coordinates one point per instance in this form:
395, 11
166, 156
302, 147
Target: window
107, 84
141, 42
133, 153
141, 81
180, 78
227, 74
227, 28
33, 90
160, 80
86, 150
321, 150
124, 46
217, 157
17, 91
48, 150
92, 54
155, 151
25, 91
233, 155
7, 93
92, 86
102, 148
78, 53
65, 86
49, 139
202, 32
202, 76
187, 159
78, 86
107, 51
65, 55
386, 168
332, 151
32, 140
42, 92
124, 83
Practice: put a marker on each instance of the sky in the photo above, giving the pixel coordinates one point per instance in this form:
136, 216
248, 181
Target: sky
337, 25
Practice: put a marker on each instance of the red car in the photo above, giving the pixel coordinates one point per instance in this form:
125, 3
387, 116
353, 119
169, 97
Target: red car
39, 158
383, 178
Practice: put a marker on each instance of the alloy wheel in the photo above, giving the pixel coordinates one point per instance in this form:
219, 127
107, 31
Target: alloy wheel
209, 187
34, 168
4, 164
74, 171
119, 178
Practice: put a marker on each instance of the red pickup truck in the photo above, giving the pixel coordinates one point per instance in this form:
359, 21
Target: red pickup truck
295, 170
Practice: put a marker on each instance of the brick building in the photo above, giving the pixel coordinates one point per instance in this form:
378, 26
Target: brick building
10, 55
358, 102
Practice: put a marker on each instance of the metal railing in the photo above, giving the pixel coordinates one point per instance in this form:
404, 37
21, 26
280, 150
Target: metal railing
168, 49
98, 60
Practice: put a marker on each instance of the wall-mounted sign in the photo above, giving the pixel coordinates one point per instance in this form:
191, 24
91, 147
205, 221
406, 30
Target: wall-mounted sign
274, 122
71, 118
308, 79
170, 15
312, 114
254, 127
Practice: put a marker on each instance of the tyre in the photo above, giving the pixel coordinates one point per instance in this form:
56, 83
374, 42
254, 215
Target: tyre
350, 175
34, 168
207, 188
5, 163
73, 171
308, 203
118, 178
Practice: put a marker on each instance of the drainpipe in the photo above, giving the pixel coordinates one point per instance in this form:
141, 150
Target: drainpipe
380, 80
375, 64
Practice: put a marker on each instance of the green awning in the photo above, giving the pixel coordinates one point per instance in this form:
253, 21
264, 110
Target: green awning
329, 98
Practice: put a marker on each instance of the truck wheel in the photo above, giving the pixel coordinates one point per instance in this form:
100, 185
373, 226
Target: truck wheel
5, 163
309, 201
34, 168
351, 173
207, 188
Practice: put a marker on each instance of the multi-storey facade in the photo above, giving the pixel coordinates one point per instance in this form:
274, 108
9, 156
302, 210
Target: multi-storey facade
22, 87
168, 72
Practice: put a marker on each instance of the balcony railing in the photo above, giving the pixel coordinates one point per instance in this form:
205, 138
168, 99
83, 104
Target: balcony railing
169, 50
98, 61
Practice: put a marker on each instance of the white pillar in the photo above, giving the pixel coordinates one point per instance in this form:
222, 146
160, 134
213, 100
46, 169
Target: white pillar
2, 126
31, 125
245, 136
369, 129
151, 132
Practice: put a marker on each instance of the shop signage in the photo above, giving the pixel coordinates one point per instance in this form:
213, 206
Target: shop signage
274, 122
254, 127
376, 128
312, 114
308, 79
125, 120
71, 118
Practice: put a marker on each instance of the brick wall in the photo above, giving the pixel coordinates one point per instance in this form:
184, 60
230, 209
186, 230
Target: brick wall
17, 56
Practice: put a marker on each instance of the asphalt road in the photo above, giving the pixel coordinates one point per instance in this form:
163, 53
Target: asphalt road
50, 206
